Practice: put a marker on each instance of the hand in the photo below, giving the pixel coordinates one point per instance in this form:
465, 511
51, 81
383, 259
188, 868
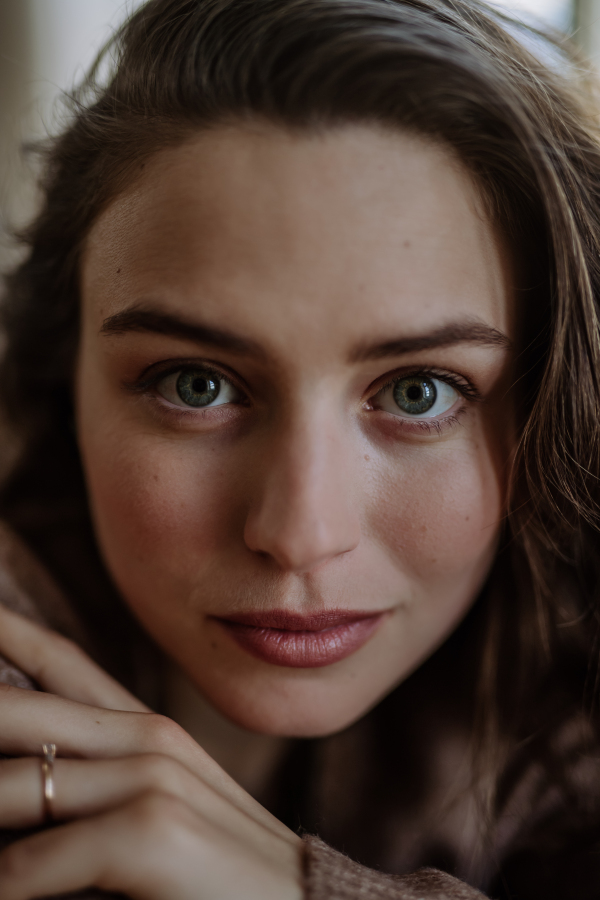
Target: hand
143, 810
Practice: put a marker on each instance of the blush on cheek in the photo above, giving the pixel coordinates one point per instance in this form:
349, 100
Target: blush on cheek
443, 514
157, 512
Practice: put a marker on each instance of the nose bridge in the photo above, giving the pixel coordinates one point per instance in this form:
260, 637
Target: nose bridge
305, 512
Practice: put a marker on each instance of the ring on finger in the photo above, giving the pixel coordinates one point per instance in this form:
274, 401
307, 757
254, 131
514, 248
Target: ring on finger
49, 751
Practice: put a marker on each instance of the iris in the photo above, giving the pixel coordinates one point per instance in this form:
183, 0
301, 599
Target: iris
197, 388
415, 395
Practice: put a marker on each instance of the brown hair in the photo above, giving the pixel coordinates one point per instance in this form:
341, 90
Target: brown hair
450, 69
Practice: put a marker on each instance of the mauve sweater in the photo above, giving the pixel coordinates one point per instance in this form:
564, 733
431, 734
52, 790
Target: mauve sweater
27, 588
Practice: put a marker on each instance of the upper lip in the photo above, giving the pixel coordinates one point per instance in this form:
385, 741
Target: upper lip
282, 620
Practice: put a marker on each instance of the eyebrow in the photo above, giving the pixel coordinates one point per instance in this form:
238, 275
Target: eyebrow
468, 332
138, 319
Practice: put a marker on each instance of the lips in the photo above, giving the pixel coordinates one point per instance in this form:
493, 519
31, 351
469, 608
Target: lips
302, 642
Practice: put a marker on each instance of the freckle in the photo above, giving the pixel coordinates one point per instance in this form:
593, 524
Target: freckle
467, 518
213, 645
97, 722
407, 243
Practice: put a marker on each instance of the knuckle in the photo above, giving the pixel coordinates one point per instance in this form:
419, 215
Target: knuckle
156, 815
159, 771
161, 733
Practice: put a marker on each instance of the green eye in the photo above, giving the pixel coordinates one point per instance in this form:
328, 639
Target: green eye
197, 388
415, 395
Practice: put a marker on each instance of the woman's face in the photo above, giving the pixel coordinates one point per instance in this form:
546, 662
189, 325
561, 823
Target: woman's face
292, 409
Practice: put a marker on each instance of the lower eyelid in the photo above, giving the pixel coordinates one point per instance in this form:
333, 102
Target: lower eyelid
414, 426
188, 415
436, 424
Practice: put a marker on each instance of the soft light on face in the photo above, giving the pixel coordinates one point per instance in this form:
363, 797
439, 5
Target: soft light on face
292, 410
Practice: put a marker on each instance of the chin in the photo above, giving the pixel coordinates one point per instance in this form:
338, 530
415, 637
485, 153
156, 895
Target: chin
292, 720
305, 706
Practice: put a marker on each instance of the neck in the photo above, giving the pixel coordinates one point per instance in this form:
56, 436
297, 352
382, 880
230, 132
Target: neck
249, 758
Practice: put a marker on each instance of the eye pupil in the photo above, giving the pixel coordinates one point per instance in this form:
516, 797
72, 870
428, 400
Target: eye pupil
197, 388
415, 395
200, 385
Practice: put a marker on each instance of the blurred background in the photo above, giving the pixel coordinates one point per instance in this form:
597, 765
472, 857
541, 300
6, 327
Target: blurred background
46, 46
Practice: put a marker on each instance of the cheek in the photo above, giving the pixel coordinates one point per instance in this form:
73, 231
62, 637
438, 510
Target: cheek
160, 500
438, 509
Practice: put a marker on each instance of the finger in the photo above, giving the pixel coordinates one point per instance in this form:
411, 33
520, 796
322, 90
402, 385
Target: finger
154, 848
30, 719
59, 665
117, 851
90, 787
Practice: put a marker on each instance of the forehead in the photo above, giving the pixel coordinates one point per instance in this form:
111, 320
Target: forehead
342, 230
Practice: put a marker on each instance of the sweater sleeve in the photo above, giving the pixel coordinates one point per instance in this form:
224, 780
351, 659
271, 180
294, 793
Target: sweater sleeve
329, 875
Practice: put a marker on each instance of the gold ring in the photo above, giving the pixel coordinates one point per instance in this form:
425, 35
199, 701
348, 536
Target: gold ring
49, 751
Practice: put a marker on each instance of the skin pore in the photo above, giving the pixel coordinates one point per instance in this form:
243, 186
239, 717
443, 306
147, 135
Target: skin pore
307, 277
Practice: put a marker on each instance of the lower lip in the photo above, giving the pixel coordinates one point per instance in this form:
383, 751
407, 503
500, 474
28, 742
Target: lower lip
303, 649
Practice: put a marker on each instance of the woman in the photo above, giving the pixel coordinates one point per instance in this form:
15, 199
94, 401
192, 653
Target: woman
302, 360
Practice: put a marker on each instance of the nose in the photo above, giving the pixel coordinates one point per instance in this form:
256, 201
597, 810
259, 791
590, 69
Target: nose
305, 513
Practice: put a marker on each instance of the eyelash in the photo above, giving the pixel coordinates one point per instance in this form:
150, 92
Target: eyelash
151, 376
147, 381
462, 385
144, 387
